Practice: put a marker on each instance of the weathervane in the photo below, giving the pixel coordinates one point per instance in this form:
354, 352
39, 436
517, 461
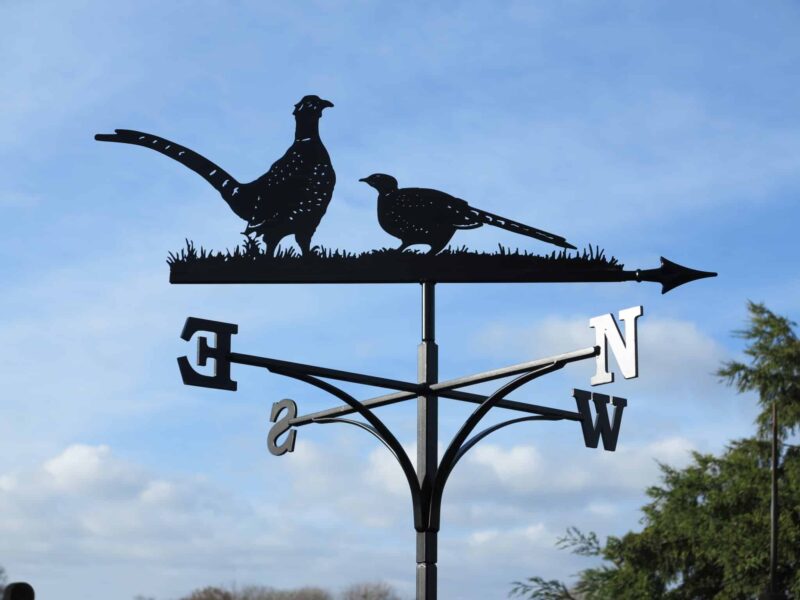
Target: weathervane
291, 198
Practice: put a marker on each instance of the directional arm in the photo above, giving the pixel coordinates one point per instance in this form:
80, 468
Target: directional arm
448, 389
379, 430
535, 409
223, 358
470, 443
365, 426
426, 501
451, 454
284, 367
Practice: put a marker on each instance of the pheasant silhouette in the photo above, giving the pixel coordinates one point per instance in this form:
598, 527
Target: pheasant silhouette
426, 216
290, 198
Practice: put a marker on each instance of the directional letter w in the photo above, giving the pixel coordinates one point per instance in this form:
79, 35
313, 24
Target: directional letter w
593, 430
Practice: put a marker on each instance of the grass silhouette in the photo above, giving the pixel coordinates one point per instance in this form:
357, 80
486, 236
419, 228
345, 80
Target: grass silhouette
247, 263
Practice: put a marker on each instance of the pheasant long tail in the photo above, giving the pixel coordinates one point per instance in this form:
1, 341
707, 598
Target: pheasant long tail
222, 181
509, 225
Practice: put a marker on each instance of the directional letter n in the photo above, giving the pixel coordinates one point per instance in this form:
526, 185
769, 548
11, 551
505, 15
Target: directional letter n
607, 334
600, 427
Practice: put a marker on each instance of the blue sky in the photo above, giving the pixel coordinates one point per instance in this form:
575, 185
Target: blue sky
648, 128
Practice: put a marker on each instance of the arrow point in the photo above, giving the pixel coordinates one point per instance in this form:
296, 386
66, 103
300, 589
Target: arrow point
673, 275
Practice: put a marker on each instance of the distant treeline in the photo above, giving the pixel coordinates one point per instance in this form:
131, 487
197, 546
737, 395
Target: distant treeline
358, 591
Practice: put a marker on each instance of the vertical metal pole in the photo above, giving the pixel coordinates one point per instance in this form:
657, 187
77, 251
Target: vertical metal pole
773, 546
427, 441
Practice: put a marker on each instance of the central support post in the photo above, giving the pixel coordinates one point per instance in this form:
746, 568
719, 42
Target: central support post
427, 441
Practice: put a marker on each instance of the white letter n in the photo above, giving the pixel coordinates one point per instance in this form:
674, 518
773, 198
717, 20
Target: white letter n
625, 352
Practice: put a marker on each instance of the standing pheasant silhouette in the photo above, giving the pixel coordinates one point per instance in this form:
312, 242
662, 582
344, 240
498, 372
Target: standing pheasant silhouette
290, 198
426, 216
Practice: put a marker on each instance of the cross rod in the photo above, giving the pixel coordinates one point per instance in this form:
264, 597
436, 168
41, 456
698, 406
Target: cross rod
340, 411
565, 358
283, 366
446, 389
276, 365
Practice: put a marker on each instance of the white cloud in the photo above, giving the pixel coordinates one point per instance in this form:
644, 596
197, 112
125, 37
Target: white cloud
158, 492
603, 509
101, 499
384, 471
87, 506
80, 468
526, 472
674, 354
553, 334
512, 467
89, 341
487, 541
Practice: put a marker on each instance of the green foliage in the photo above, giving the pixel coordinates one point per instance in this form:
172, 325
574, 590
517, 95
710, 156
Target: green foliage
774, 369
705, 535
537, 588
705, 531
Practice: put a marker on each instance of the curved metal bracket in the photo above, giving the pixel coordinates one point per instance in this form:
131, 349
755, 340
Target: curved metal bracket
470, 443
451, 454
365, 426
377, 429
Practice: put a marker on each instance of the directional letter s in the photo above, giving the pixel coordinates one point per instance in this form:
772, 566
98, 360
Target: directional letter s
282, 426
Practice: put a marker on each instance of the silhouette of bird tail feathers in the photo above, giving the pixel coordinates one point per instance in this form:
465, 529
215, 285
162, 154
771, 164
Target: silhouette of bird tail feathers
221, 180
509, 225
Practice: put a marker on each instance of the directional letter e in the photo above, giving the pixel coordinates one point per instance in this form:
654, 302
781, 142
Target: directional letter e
625, 352
219, 353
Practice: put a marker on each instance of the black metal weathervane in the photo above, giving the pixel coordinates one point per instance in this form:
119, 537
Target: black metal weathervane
291, 198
